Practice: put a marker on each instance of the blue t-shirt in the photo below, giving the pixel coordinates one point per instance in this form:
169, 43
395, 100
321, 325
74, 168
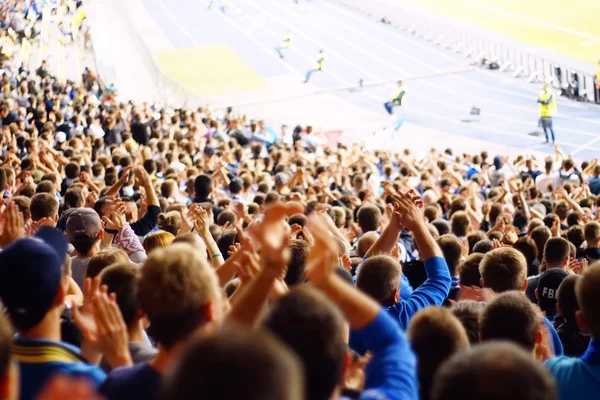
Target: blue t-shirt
40, 359
391, 373
578, 378
432, 292
138, 382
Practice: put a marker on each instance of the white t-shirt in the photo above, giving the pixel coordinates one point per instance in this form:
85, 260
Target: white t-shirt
542, 181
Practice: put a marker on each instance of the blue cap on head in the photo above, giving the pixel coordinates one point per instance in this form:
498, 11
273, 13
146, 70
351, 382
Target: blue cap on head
30, 275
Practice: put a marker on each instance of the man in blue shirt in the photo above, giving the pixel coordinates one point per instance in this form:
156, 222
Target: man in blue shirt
379, 276
304, 316
579, 378
32, 289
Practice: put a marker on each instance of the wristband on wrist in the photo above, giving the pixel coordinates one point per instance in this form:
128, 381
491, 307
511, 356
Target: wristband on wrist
216, 255
111, 231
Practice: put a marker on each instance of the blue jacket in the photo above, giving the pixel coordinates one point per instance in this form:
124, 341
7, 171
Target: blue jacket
432, 292
391, 373
577, 378
40, 359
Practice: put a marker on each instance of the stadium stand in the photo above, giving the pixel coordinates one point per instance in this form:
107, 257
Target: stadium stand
174, 253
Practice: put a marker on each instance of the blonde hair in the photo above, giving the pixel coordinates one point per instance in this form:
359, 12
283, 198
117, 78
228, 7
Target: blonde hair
176, 285
503, 269
103, 259
157, 239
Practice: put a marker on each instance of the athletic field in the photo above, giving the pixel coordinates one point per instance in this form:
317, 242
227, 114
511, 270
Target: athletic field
230, 57
567, 27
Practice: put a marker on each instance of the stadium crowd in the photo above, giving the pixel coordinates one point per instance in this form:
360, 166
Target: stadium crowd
175, 253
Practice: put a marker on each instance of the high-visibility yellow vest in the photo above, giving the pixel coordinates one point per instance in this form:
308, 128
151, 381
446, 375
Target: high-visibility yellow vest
598, 78
321, 62
547, 110
399, 96
287, 41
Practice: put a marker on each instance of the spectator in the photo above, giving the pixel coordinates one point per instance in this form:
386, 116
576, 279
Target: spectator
84, 231
32, 290
556, 255
495, 370
547, 290
260, 366
577, 378
434, 334
179, 294
575, 342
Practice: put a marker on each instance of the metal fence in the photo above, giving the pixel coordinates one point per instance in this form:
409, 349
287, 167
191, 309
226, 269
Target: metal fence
574, 82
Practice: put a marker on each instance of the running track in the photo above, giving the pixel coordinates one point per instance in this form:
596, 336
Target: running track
359, 48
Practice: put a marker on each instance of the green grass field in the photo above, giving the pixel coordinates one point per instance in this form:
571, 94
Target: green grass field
567, 27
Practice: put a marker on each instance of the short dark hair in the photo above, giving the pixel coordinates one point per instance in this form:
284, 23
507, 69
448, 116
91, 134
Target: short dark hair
72, 170
121, 279
496, 370
46, 187
441, 225
259, 364
510, 316
313, 327
73, 198
299, 250
368, 218
43, 205
203, 185
473, 238
468, 313
460, 223
588, 298
483, 246
434, 334
556, 251
452, 249
528, 248
468, 270
378, 276
566, 300
540, 236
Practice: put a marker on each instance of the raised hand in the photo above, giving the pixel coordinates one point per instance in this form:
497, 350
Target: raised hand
101, 324
320, 263
407, 207
12, 226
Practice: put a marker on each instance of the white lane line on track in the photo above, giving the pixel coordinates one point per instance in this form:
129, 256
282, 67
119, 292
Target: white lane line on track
431, 49
233, 24
531, 20
345, 82
373, 56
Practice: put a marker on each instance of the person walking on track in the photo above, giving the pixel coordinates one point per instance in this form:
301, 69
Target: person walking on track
398, 98
318, 67
286, 43
547, 108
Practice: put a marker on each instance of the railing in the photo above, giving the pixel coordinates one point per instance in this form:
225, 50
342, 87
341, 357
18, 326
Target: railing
575, 82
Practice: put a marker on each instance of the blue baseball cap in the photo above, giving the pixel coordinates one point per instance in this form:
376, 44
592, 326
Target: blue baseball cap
30, 276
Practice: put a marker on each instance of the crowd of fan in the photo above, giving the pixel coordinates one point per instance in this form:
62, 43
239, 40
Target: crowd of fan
178, 254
